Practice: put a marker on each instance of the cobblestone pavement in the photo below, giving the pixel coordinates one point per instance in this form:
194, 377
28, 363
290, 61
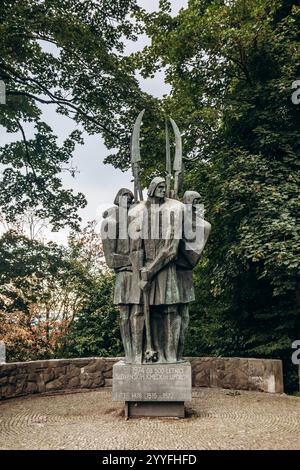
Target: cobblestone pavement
216, 419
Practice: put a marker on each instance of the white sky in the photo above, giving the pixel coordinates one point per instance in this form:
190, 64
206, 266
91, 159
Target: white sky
98, 182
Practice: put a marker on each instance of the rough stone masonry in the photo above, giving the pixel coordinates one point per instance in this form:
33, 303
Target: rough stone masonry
59, 375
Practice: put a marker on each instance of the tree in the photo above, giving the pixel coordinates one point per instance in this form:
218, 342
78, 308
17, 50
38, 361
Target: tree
27, 224
68, 54
96, 332
231, 66
56, 301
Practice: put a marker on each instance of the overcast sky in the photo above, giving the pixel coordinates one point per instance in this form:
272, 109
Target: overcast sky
98, 182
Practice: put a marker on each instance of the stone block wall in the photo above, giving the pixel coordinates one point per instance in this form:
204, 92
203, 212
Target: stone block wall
24, 378
59, 375
263, 375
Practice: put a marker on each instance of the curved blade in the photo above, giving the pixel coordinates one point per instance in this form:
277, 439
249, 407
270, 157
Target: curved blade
135, 141
178, 153
168, 153
168, 162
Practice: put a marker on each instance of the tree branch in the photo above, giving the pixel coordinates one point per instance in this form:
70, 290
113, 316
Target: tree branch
53, 99
27, 151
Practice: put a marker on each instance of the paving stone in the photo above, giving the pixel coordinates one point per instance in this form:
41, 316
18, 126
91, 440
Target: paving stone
215, 419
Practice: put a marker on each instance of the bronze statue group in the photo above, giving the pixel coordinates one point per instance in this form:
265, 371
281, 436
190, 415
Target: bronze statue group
153, 246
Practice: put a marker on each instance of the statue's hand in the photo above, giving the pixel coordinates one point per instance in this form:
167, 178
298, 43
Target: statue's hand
145, 285
144, 274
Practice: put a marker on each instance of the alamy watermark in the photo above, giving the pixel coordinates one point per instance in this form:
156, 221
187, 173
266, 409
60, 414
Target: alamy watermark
296, 94
296, 354
153, 221
2, 92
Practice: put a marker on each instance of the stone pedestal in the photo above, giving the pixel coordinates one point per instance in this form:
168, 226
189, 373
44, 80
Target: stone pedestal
152, 389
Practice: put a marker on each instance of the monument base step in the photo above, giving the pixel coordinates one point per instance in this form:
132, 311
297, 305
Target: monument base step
157, 409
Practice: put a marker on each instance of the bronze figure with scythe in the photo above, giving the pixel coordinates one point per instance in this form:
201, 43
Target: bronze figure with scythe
155, 277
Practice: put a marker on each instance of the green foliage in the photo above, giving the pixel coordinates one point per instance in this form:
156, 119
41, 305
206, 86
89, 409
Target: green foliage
67, 54
96, 329
25, 266
231, 66
56, 301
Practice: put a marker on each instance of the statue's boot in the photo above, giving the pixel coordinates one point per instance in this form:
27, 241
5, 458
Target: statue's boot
125, 331
137, 323
184, 318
